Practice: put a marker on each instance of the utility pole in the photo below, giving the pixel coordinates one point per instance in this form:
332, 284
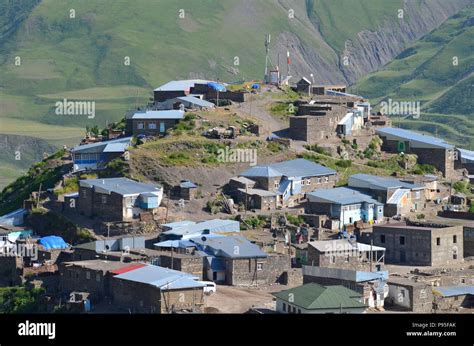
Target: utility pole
371, 243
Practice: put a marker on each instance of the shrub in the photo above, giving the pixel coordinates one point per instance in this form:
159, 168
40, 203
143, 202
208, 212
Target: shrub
344, 163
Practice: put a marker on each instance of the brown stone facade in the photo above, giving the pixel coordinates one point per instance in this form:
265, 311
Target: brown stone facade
108, 207
152, 300
149, 127
256, 271
424, 246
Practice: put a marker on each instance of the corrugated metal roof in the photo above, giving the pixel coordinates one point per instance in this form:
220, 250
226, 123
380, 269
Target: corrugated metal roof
340, 195
188, 184
376, 182
100, 146
214, 226
291, 168
416, 139
197, 101
181, 85
313, 296
342, 245
164, 278
232, 246
122, 186
127, 269
167, 114
451, 291
466, 155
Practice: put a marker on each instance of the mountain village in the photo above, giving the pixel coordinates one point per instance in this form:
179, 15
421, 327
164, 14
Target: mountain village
248, 197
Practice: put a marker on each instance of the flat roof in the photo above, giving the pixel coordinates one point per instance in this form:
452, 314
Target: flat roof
166, 114
338, 245
121, 186
181, 85
232, 246
99, 264
114, 145
381, 183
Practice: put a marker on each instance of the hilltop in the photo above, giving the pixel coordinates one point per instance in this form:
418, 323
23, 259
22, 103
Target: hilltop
84, 57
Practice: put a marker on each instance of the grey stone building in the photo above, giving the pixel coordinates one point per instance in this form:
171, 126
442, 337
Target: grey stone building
420, 244
345, 254
117, 199
411, 295
152, 123
282, 184
430, 150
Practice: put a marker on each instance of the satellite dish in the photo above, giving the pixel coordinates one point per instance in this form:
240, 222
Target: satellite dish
274, 235
203, 238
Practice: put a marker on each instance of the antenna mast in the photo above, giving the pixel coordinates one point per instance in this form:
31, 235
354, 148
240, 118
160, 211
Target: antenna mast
267, 49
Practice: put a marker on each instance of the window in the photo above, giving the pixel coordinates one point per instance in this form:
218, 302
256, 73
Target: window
308, 181
259, 266
382, 238
402, 240
455, 239
318, 181
326, 179
277, 184
104, 199
152, 126
438, 241
417, 195
347, 259
332, 259
97, 277
455, 256
140, 125
88, 275
284, 307
299, 311
162, 127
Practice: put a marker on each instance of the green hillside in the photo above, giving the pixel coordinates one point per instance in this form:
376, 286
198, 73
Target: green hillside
425, 72
45, 55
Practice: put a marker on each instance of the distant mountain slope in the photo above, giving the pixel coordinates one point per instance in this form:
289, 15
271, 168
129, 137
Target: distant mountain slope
438, 71
83, 57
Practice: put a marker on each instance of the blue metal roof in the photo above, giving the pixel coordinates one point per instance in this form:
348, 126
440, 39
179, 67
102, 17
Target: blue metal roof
168, 114
175, 244
181, 85
416, 139
214, 226
196, 101
53, 242
188, 184
451, 291
292, 168
121, 186
232, 246
362, 180
216, 86
341, 195
119, 144
164, 278
466, 155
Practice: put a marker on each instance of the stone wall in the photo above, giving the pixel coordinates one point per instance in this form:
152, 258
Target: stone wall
243, 272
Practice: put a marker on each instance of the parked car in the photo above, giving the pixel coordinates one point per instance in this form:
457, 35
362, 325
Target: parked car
210, 287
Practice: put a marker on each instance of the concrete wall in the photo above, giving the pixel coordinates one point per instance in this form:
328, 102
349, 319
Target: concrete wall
75, 278
415, 298
132, 126
91, 203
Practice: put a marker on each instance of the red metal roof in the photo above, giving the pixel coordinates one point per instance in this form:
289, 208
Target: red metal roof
128, 269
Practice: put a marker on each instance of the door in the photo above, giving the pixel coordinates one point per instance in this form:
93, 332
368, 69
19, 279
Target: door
214, 276
402, 257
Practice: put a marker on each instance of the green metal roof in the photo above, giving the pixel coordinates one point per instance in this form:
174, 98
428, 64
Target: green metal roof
313, 296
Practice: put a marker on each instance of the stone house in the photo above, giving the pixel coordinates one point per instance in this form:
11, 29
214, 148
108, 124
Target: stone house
117, 199
399, 197
420, 244
344, 204
152, 123
233, 260
161, 290
414, 296
451, 298
278, 185
345, 254
92, 276
430, 150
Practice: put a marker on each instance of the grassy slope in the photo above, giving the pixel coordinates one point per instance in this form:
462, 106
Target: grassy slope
424, 72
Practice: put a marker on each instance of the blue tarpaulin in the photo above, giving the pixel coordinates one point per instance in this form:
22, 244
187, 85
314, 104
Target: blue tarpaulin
216, 86
53, 242
255, 86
